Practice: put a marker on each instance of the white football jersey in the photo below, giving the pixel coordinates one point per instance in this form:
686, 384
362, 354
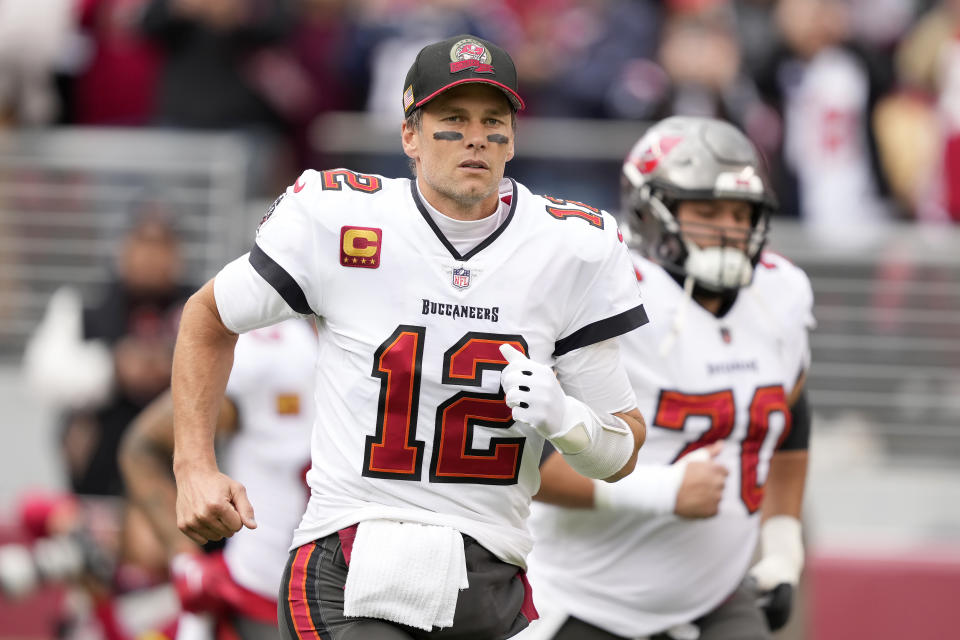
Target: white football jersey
723, 379
271, 385
411, 422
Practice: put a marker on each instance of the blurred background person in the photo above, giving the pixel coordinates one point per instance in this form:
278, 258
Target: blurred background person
387, 34
699, 71
573, 55
66, 553
928, 63
264, 426
825, 92
116, 81
133, 322
33, 36
720, 375
220, 72
102, 362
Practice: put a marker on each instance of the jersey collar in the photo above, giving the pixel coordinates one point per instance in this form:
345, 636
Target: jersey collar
443, 239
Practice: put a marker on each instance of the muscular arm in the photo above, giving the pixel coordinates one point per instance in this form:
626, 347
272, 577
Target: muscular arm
210, 505
145, 460
781, 540
202, 362
785, 483
562, 486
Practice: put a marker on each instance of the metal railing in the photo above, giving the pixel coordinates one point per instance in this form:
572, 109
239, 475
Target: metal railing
887, 347
67, 195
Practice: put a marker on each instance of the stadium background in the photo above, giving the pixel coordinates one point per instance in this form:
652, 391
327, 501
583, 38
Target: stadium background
207, 109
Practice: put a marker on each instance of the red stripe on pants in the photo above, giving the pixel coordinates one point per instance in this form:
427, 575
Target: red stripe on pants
297, 593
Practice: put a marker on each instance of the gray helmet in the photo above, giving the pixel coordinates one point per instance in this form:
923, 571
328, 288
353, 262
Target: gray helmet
692, 158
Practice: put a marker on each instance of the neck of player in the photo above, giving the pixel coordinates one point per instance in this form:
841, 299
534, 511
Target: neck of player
456, 208
713, 304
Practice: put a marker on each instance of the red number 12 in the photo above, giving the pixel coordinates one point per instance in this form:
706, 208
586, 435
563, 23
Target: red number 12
394, 450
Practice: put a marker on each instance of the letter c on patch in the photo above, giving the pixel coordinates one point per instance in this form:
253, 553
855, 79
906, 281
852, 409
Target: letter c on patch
360, 247
362, 243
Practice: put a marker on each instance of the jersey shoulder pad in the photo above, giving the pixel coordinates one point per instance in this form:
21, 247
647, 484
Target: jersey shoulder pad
586, 231
659, 288
786, 286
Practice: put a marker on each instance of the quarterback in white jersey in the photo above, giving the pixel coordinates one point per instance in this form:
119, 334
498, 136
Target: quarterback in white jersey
264, 426
718, 373
443, 304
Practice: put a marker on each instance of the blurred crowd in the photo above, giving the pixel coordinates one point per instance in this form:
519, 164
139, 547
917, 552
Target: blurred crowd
854, 102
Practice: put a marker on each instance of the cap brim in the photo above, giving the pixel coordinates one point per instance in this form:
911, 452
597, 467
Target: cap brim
515, 100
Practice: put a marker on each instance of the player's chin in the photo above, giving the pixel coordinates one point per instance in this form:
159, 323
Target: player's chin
477, 190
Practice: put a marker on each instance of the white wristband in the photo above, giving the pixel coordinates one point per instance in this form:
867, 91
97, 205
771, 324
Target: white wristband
781, 545
782, 536
594, 447
650, 489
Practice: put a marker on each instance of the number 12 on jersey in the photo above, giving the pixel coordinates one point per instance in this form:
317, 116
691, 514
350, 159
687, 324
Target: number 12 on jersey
394, 451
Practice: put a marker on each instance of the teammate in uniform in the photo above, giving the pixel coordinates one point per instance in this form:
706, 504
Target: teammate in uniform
444, 304
720, 372
264, 421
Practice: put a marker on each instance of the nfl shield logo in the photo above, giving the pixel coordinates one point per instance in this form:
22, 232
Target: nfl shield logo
461, 278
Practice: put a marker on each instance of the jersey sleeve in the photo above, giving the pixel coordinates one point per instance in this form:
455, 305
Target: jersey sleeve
605, 300
280, 277
799, 320
595, 375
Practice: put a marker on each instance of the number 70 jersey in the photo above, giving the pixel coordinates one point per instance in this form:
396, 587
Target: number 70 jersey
411, 422
699, 379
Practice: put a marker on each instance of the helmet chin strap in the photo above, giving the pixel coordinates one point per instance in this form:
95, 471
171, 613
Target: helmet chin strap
718, 267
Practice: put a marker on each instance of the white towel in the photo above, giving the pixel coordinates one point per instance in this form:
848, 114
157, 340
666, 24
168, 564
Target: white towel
405, 572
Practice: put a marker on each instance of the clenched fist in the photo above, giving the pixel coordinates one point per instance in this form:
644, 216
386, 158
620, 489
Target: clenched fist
702, 486
211, 505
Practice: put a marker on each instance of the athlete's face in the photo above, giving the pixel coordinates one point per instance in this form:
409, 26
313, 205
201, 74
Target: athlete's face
462, 148
714, 223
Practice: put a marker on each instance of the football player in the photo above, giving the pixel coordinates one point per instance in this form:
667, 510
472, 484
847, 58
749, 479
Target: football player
264, 424
719, 372
443, 305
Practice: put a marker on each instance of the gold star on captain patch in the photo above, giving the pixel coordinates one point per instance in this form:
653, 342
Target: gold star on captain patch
354, 261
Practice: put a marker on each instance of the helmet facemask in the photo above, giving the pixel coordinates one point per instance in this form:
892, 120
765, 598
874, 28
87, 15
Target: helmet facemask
719, 258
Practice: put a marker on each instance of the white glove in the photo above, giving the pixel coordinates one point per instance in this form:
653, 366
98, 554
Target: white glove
781, 545
533, 392
595, 448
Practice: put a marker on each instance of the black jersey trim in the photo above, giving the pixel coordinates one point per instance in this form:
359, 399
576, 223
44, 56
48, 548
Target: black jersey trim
280, 280
602, 330
548, 450
443, 239
799, 436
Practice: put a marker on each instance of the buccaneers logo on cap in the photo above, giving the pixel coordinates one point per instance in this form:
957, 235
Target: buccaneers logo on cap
469, 54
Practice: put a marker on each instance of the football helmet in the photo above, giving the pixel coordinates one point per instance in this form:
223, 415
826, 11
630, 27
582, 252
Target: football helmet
692, 158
